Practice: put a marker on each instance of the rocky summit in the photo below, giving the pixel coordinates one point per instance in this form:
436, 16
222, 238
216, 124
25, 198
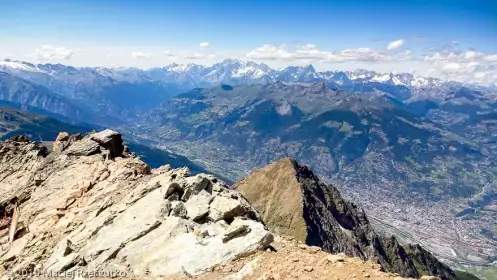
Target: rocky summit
294, 201
92, 204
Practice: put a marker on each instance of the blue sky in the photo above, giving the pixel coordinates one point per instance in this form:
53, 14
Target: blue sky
335, 33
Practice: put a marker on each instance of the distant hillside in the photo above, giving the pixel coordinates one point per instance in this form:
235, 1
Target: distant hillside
44, 129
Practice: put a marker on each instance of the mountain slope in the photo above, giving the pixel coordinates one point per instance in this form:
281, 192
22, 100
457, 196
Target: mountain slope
102, 96
45, 129
20, 91
292, 200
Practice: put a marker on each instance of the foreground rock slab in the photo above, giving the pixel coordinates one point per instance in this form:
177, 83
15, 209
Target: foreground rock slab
292, 261
90, 206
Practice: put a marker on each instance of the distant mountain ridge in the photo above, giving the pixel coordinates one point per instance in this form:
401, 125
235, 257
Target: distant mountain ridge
231, 71
117, 96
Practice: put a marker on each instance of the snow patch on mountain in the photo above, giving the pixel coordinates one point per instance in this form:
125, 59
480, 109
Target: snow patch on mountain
18, 65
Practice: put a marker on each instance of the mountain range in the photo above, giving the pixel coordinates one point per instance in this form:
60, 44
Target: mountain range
113, 96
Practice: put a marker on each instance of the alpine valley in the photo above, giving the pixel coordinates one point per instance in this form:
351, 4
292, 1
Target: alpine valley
417, 153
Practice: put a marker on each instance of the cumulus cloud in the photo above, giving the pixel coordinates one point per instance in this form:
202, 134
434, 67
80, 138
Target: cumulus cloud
204, 44
467, 66
141, 55
313, 53
491, 57
395, 44
271, 52
48, 52
451, 66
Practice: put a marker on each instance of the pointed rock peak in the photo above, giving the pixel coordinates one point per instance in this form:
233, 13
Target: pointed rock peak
287, 164
292, 168
310, 68
276, 194
292, 200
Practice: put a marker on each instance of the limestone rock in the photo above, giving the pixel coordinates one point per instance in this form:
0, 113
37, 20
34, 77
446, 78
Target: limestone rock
198, 205
85, 211
225, 208
63, 136
84, 147
183, 252
110, 140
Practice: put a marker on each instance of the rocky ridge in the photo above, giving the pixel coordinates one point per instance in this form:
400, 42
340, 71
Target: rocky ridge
292, 200
90, 204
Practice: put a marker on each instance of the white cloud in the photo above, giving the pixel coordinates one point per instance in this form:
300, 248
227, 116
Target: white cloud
204, 44
312, 53
47, 53
465, 66
198, 55
451, 66
469, 66
479, 75
395, 44
491, 57
169, 54
141, 55
271, 52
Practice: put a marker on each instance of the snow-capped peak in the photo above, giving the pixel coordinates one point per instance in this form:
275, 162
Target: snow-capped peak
230, 71
18, 65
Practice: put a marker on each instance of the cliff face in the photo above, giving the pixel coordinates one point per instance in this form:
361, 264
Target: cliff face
90, 204
318, 215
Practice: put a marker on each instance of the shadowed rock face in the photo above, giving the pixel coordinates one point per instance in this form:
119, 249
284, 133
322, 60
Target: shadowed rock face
318, 215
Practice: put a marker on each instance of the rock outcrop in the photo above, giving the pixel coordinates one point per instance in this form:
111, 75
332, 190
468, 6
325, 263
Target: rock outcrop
90, 205
293, 201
